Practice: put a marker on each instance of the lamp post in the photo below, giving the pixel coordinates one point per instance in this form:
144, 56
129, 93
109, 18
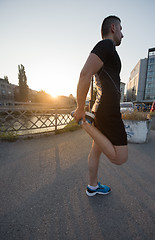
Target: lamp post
91, 94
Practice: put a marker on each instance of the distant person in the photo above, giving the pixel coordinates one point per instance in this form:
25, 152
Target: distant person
105, 63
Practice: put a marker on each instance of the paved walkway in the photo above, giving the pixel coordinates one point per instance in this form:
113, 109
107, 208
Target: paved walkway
42, 191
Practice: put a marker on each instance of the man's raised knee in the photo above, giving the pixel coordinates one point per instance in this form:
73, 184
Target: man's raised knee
119, 161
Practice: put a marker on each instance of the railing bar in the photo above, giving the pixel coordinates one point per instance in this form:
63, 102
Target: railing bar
22, 119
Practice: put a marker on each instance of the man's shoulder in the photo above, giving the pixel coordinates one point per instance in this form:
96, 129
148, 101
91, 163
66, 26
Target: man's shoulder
103, 49
105, 42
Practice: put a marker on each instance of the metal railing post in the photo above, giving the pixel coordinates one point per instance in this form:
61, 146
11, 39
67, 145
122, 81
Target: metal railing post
56, 121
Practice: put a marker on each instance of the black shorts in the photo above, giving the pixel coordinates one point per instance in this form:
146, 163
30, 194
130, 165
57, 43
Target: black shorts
108, 120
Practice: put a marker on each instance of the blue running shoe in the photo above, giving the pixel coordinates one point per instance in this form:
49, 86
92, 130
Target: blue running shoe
102, 189
89, 118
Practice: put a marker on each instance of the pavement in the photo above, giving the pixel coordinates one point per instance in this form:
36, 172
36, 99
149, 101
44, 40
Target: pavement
42, 191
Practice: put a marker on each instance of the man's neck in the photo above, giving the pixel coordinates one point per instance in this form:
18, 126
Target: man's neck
110, 36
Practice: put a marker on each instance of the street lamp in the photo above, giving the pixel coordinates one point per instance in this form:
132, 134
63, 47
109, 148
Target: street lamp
91, 94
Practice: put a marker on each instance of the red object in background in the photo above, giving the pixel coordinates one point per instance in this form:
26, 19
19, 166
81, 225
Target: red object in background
153, 107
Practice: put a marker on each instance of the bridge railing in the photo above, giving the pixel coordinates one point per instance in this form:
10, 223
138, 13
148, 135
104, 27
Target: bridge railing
29, 120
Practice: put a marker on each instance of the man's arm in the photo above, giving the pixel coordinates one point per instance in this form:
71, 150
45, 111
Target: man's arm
91, 67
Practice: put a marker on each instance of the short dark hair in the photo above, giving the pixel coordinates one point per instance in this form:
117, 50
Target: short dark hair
107, 24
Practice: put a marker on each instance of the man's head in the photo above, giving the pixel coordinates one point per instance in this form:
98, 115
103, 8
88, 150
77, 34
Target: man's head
111, 28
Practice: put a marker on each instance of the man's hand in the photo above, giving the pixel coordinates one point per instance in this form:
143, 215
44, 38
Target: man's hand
79, 114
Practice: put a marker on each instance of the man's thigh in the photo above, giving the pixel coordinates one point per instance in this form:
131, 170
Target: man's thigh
121, 154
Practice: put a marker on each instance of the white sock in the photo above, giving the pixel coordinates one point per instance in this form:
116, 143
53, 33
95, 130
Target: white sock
92, 187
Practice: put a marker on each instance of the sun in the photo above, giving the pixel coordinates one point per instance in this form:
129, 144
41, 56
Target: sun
57, 83
57, 88
56, 92
54, 96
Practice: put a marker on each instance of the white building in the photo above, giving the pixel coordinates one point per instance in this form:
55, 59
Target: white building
122, 89
136, 84
141, 85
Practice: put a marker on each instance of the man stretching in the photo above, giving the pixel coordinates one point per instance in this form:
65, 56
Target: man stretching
105, 63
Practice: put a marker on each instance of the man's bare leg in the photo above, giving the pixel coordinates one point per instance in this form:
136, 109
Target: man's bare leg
116, 154
93, 163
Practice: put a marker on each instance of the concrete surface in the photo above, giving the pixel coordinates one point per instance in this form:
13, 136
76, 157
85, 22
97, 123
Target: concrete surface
42, 191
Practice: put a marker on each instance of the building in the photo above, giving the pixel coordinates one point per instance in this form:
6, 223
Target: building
122, 88
9, 93
141, 85
6, 92
136, 84
149, 93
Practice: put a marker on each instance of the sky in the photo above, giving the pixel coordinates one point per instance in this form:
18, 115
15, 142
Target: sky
53, 38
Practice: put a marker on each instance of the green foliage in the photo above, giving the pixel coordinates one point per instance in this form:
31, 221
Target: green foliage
42, 97
6, 79
8, 136
135, 115
72, 126
23, 87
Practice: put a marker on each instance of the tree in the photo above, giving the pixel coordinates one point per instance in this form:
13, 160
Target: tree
6, 79
72, 99
23, 87
43, 97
